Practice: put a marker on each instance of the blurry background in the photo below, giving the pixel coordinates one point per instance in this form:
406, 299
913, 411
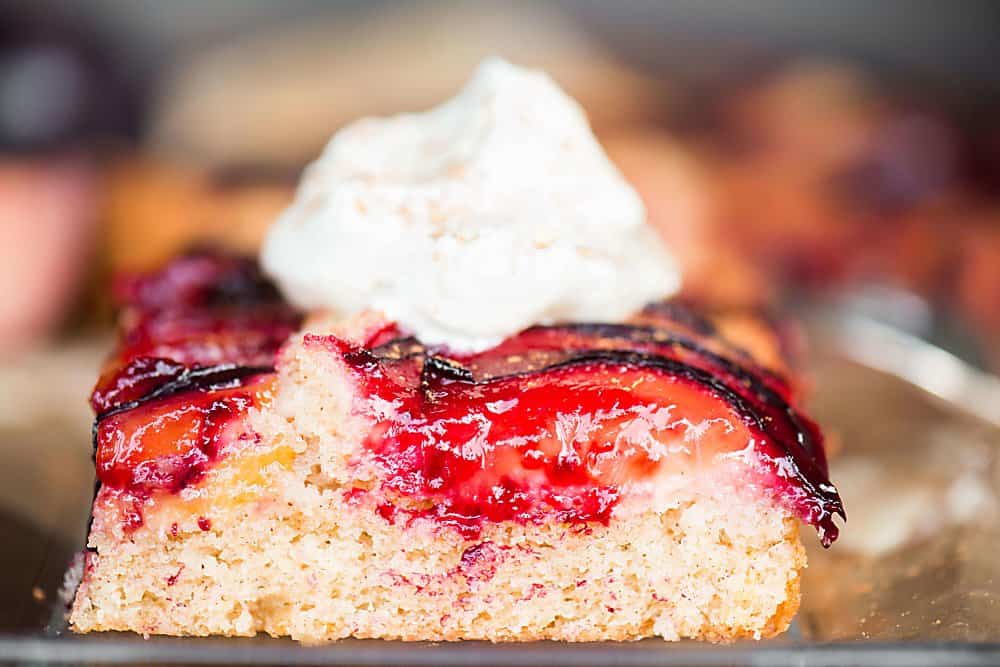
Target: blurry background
787, 150
805, 144
790, 152
784, 148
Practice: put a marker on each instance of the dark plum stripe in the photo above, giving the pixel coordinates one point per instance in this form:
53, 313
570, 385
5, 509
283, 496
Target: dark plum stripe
204, 378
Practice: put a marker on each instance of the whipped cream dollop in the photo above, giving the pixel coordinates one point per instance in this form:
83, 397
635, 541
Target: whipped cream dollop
467, 223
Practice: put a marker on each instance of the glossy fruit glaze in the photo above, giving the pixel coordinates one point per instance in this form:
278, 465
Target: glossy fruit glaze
202, 311
557, 420
551, 423
197, 347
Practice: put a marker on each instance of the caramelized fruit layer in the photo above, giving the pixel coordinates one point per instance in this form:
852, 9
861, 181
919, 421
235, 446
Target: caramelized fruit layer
553, 422
198, 341
556, 420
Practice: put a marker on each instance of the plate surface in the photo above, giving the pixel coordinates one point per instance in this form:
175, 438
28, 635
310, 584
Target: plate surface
914, 579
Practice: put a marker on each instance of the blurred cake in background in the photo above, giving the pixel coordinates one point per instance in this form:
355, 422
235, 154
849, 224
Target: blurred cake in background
819, 169
831, 181
816, 180
155, 209
683, 204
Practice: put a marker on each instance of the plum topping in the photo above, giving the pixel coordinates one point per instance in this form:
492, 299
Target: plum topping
168, 443
197, 348
550, 423
201, 310
198, 279
200, 316
554, 420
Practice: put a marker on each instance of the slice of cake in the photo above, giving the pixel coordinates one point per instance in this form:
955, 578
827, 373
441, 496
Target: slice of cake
481, 431
577, 482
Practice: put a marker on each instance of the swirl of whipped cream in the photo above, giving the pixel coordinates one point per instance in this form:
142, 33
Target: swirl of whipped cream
469, 222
